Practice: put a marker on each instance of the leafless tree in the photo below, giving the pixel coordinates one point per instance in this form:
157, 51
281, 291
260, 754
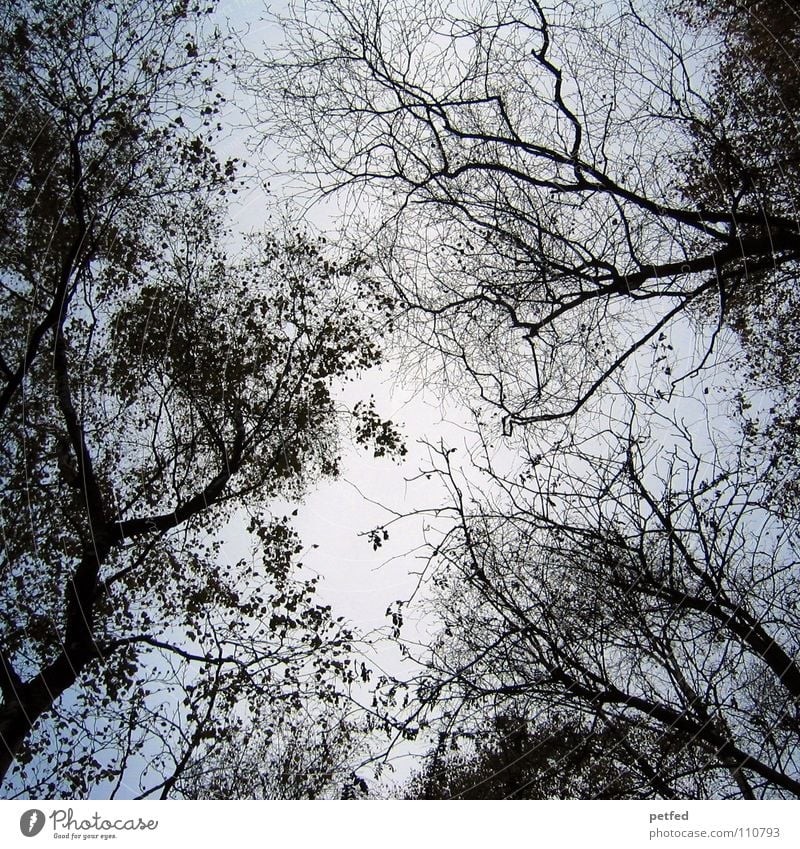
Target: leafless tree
642, 589
538, 181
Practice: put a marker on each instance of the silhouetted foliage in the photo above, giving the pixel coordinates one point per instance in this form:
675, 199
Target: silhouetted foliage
746, 156
573, 204
558, 758
308, 755
154, 388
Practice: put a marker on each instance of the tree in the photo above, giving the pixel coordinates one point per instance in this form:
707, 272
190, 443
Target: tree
309, 755
574, 204
156, 388
535, 174
647, 594
549, 758
746, 155
92, 99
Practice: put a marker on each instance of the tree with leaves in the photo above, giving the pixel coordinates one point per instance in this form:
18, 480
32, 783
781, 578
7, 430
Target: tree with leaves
308, 754
746, 155
551, 757
157, 387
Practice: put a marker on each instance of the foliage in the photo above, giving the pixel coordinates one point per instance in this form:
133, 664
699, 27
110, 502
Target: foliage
155, 389
574, 205
745, 156
300, 756
550, 758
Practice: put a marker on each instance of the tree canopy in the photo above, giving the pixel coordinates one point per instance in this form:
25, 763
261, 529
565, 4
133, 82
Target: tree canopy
640, 595
579, 207
158, 383
578, 221
545, 181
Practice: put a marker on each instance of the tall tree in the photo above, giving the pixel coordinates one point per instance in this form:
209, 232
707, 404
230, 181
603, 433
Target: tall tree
648, 595
155, 388
531, 171
745, 154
